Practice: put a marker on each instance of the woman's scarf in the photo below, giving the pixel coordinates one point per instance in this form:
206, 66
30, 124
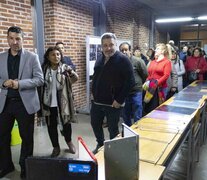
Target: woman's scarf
149, 86
66, 111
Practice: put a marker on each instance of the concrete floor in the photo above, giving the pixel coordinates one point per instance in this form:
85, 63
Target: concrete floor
42, 147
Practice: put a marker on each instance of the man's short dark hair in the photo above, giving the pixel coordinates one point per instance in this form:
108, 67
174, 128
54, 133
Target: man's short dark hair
59, 42
108, 35
130, 47
15, 29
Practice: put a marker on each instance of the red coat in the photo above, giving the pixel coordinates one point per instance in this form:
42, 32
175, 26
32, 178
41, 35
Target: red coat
192, 63
160, 71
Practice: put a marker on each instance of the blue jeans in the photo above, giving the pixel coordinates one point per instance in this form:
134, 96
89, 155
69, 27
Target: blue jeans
132, 108
98, 112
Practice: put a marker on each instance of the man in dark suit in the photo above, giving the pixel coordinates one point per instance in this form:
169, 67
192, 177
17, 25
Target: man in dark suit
112, 80
20, 75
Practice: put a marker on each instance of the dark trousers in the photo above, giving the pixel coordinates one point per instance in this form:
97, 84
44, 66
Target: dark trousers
52, 123
98, 112
14, 109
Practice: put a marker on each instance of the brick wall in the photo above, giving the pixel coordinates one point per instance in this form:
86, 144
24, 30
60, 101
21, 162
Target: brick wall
16, 13
143, 34
120, 15
160, 36
128, 21
70, 21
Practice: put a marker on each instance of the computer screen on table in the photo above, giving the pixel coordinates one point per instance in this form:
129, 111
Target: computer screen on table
43, 168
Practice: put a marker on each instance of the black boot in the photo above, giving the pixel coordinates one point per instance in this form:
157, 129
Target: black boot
55, 152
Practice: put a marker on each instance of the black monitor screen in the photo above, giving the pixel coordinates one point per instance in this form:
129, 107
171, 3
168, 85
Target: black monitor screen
41, 168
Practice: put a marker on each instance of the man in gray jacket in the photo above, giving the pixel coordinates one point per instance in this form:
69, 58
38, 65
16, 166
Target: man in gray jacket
133, 102
20, 75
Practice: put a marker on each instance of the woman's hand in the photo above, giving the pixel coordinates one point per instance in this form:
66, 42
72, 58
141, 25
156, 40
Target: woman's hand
173, 89
69, 69
197, 70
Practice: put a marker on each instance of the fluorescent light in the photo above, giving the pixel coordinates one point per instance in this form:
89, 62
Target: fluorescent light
169, 20
194, 25
202, 18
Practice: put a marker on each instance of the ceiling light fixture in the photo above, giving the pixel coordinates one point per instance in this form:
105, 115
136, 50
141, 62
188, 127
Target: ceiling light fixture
202, 18
170, 20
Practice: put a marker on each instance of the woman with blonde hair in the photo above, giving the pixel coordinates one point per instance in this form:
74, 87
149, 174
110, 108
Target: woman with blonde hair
158, 72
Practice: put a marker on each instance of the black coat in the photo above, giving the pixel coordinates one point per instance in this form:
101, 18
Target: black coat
113, 80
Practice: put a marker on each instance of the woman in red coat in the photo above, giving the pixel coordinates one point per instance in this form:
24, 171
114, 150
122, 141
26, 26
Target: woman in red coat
196, 63
158, 72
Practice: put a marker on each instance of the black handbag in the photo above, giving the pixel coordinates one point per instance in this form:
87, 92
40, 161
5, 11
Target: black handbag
192, 75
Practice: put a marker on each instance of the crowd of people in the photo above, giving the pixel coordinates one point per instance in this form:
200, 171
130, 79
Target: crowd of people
126, 82
158, 75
